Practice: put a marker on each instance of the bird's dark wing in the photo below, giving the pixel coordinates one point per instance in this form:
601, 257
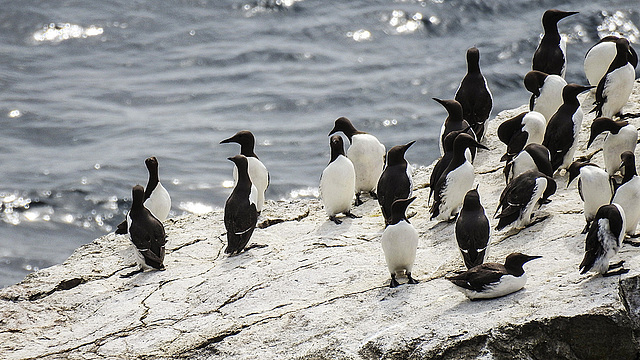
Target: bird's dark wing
240, 221
478, 277
472, 238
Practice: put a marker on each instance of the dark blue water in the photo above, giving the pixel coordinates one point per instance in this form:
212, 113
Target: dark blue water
90, 89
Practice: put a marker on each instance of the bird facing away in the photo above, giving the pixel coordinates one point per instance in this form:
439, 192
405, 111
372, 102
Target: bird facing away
620, 136
396, 181
258, 173
603, 241
522, 196
453, 122
532, 157
146, 233
474, 94
561, 135
627, 194
595, 187
240, 212
455, 180
616, 85
400, 242
546, 92
551, 55
492, 280
338, 181
472, 230
600, 56
156, 197
367, 155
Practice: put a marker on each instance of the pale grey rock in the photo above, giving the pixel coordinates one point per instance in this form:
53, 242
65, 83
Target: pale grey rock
320, 291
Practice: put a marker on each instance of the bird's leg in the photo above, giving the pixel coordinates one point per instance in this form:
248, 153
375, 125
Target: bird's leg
350, 215
335, 219
586, 228
411, 280
373, 195
255, 246
358, 200
394, 282
616, 265
617, 272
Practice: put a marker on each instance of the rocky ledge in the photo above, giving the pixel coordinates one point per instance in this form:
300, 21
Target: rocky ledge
320, 291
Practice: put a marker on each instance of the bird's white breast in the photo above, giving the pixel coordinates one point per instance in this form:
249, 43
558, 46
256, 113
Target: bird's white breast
159, 203
597, 61
596, 190
615, 144
337, 185
457, 183
506, 285
367, 155
534, 124
399, 243
617, 88
628, 196
550, 97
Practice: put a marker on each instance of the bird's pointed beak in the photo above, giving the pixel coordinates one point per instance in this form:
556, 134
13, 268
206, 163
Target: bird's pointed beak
226, 141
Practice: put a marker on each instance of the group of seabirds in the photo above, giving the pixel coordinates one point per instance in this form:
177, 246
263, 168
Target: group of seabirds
539, 143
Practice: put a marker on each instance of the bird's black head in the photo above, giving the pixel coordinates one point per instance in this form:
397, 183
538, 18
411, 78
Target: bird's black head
151, 163
629, 164
571, 91
551, 17
337, 146
343, 124
472, 200
574, 169
623, 47
550, 190
453, 108
395, 155
447, 144
246, 140
514, 262
399, 209
534, 80
137, 194
473, 59
241, 162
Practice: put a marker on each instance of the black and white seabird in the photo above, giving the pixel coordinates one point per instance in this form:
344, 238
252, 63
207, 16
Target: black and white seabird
474, 94
627, 194
600, 56
453, 122
257, 171
520, 131
561, 135
525, 193
492, 280
400, 242
595, 187
603, 241
156, 197
455, 181
532, 157
551, 55
444, 160
396, 181
338, 182
472, 230
616, 85
620, 136
146, 233
240, 211
367, 155
546, 92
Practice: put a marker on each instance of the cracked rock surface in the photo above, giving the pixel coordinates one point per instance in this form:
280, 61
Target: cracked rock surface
320, 290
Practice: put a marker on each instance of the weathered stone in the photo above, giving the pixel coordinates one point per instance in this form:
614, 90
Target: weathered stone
320, 290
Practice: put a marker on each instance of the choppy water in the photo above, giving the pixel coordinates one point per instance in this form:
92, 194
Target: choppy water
90, 89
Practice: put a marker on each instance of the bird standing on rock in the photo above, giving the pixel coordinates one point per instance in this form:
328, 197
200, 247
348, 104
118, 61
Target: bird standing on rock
258, 173
474, 95
146, 233
522, 196
546, 92
338, 182
400, 242
616, 85
395, 181
595, 187
156, 197
561, 134
551, 55
472, 230
492, 280
367, 155
240, 212
620, 137
603, 241
455, 180
444, 160
521, 130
